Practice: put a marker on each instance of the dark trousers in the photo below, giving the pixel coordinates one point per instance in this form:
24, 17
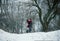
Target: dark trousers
29, 30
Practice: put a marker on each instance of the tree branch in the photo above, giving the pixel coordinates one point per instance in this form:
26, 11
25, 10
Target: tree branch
49, 4
40, 13
55, 3
51, 17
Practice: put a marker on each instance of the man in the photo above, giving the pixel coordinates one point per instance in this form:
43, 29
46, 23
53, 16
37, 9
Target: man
29, 26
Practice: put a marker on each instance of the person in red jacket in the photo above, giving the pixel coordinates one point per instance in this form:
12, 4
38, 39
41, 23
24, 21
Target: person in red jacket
29, 21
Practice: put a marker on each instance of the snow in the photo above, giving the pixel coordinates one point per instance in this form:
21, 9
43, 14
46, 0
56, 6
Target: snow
38, 36
22, 0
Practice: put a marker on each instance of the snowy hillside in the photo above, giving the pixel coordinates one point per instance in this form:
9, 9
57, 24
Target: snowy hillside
39, 36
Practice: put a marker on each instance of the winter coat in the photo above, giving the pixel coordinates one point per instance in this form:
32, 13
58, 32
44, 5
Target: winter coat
29, 21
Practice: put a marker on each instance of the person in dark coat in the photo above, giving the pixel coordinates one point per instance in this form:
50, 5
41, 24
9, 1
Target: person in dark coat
29, 21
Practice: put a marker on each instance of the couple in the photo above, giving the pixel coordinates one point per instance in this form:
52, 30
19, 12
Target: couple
29, 26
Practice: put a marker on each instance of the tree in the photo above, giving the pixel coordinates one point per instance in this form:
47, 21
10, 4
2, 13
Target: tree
3, 14
51, 13
7, 21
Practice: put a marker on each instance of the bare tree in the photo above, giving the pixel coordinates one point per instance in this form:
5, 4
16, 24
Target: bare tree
51, 13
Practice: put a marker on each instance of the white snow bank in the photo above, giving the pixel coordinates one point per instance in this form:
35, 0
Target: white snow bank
39, 36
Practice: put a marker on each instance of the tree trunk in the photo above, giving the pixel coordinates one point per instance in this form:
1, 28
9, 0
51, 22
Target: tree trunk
45, 27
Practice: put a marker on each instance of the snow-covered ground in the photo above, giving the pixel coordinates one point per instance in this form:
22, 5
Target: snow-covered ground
38, 36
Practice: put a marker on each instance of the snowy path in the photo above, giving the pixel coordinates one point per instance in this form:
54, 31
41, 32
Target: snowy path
39, 36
